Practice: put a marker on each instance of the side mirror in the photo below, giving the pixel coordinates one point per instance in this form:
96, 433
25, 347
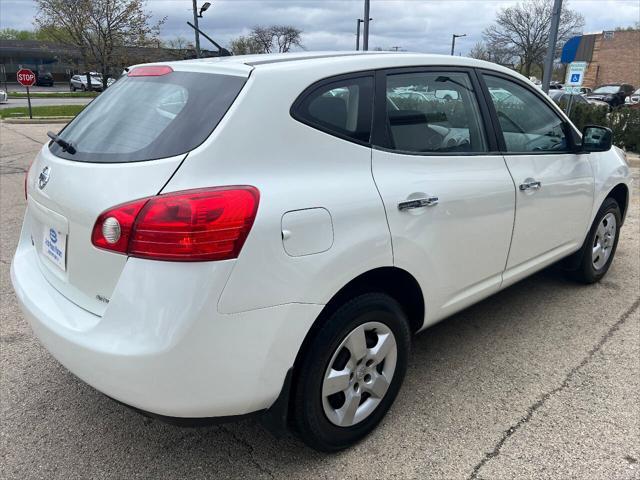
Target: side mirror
596, 139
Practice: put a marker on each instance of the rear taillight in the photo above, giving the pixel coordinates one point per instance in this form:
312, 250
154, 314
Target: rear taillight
194, 225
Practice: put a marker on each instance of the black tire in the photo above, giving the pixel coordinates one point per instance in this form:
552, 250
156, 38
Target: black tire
83, 88
309, 418
72, 88
585, 271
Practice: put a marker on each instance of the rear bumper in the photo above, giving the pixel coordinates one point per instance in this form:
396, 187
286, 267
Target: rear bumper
161, 346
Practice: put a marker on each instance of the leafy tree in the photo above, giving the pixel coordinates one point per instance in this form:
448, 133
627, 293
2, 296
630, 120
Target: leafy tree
245, 46
99, 29
522, 31
13, 34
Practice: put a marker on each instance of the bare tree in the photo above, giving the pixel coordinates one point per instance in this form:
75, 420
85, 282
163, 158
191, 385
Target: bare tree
179, 47
286, 37
275, 38
99, 29
482, 51
522, 31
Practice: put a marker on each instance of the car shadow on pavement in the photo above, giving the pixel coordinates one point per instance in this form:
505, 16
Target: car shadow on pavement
465, 375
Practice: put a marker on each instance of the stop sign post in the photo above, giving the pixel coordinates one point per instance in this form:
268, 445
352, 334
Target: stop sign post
26, 78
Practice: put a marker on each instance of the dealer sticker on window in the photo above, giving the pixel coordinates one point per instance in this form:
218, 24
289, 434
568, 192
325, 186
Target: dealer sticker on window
54, 245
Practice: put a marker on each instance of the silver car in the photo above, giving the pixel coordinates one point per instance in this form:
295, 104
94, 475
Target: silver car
79, 82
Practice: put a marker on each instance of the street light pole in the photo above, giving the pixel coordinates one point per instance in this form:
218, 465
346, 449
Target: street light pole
551, 53
453, 41
367, 10
358, 34
195, 22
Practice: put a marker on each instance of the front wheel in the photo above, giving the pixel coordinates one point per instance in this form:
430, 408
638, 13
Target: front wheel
600, 246
351, 372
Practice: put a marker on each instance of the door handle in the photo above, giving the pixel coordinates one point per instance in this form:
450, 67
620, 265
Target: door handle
429, 201
530, 184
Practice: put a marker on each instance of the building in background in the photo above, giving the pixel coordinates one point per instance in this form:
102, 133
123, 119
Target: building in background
611, 57
63, 61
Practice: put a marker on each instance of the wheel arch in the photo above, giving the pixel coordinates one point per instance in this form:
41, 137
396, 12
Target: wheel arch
393, 281
620, 193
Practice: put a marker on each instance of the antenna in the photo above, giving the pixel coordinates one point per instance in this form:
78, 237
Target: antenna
223, 52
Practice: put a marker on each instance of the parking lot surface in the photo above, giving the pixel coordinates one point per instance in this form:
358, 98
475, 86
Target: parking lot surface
541, 381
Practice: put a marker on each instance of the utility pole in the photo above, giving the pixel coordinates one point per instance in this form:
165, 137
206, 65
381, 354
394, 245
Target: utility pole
553, 38
358, 34
367, 11
453, 41
195, 22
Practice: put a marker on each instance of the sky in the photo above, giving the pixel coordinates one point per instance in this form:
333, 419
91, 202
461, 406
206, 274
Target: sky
412, 25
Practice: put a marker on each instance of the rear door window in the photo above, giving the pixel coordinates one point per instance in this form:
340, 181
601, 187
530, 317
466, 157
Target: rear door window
342, 108
145, 118
433, 112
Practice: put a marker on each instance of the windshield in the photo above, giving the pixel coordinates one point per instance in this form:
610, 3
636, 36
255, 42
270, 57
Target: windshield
607, 89
146, 118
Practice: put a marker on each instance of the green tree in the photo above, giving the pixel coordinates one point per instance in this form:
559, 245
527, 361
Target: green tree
100, 29
245, 46
13, 34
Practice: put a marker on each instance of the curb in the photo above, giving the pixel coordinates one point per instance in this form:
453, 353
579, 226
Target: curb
37, 120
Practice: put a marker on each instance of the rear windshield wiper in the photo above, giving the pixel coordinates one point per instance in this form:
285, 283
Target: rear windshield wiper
66, 146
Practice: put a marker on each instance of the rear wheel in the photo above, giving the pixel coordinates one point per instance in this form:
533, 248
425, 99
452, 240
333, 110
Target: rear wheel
351, 372
600, 246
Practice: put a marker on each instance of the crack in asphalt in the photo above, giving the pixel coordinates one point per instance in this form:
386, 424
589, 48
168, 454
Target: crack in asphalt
542, 400
249, 449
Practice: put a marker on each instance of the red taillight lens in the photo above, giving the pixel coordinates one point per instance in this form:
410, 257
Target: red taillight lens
150, 71
196, 225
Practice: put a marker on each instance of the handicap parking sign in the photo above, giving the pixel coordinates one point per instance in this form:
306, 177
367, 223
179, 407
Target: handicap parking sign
575, 78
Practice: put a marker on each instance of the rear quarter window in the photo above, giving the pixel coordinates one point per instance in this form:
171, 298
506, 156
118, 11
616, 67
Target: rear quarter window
147, 118
343, 108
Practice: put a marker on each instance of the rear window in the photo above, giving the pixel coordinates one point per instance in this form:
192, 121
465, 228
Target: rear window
146, 118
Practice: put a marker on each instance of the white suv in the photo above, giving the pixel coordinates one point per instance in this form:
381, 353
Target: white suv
223, 237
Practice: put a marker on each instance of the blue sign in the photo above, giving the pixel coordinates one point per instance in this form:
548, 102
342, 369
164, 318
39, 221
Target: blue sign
53, 235
575, 78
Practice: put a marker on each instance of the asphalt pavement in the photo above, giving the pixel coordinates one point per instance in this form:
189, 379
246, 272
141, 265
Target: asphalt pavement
541, 381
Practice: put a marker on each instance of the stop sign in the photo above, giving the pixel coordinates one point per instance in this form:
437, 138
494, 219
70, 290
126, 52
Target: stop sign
26, 77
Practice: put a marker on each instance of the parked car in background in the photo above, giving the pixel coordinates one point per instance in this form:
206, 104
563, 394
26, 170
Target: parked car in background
79, 82
44, 79
585, 90
563, 97
614, 94
633, 99
555, 86
190, 273
560, 96
3, 96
